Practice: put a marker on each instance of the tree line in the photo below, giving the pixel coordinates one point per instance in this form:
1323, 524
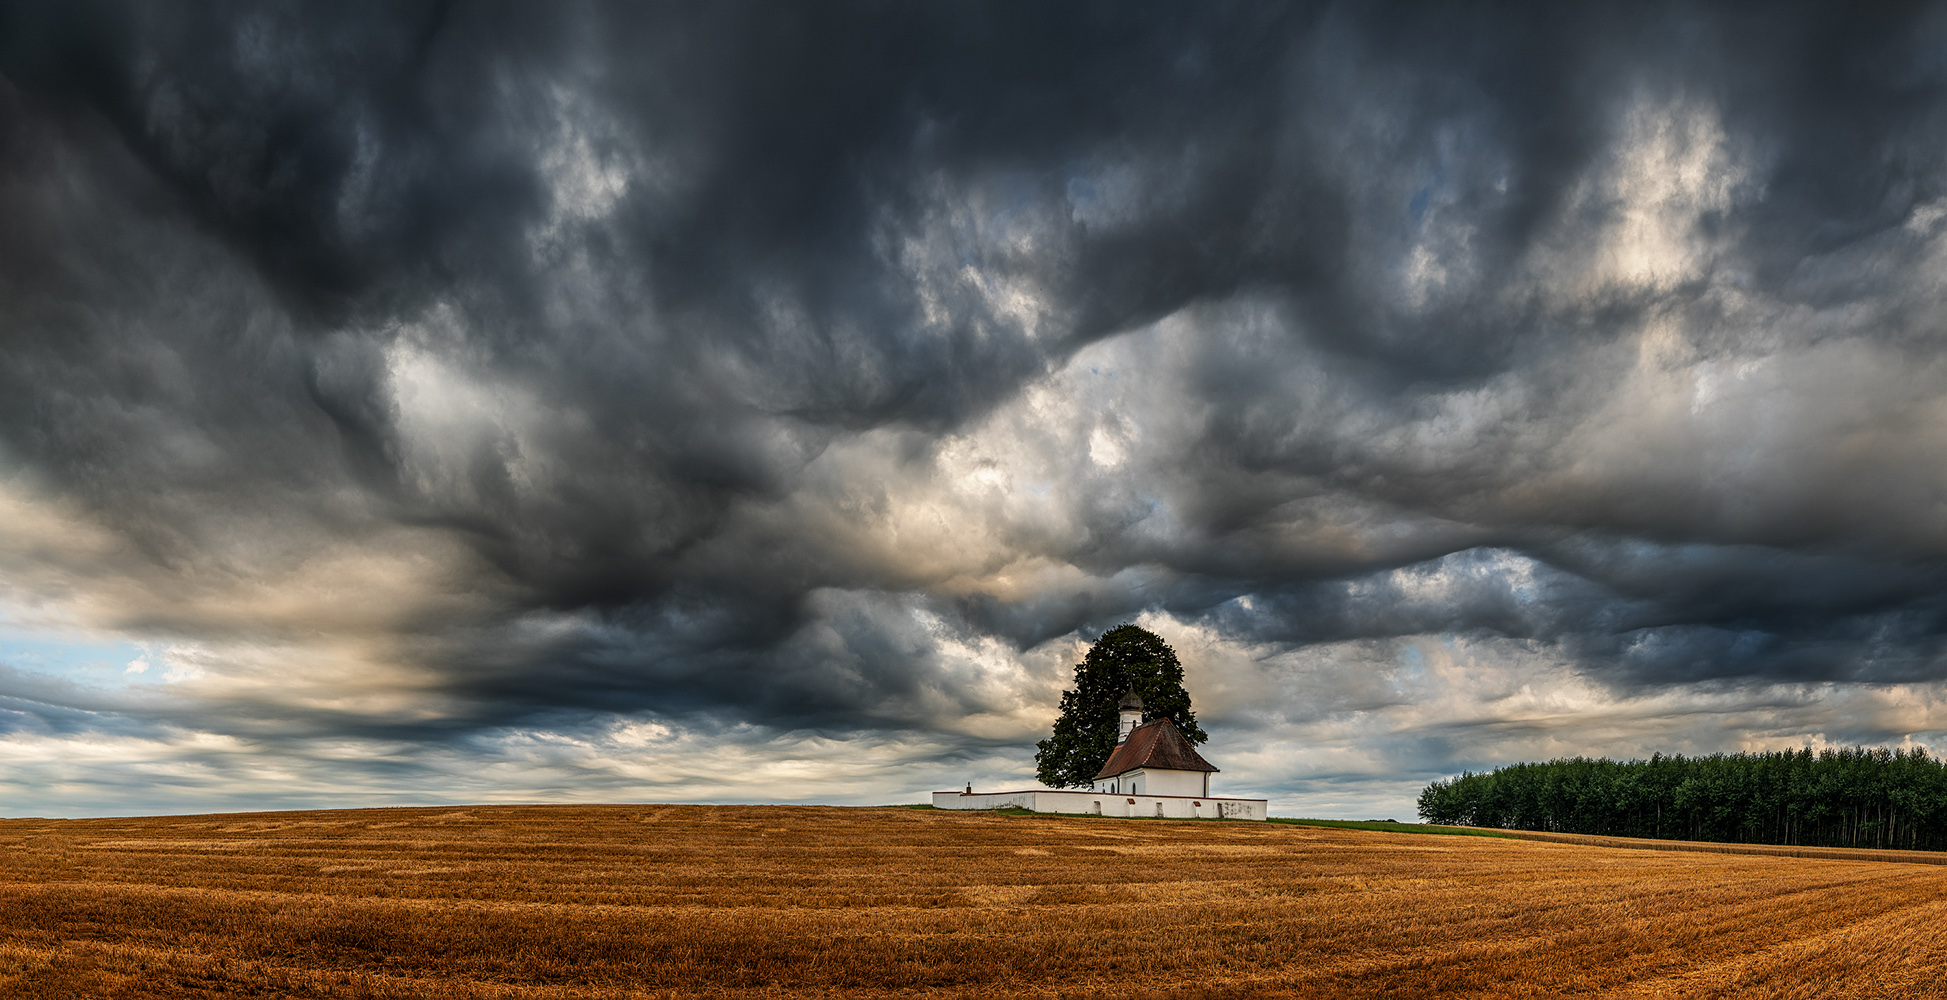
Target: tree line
1851, 797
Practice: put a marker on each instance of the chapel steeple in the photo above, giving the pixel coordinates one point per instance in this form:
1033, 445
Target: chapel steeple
1131, 710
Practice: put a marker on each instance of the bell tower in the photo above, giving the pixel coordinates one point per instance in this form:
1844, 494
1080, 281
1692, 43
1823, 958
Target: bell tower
1130, 708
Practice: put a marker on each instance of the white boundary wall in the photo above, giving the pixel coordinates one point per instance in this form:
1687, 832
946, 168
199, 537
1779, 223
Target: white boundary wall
1082, 802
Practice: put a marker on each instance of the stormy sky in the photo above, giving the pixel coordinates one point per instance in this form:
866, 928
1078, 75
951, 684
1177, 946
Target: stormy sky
420, 402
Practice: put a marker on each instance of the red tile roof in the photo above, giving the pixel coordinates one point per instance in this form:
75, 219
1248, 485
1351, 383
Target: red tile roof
1155, 744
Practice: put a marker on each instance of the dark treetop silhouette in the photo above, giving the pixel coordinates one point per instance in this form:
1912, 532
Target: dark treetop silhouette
1124, 658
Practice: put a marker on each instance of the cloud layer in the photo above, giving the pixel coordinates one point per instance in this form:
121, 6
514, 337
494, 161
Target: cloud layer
653, 401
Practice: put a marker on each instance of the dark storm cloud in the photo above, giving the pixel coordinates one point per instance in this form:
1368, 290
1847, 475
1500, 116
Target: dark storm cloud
587, 324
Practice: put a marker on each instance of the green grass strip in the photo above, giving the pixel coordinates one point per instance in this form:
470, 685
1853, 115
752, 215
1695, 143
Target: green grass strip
1384, 827
1336, 824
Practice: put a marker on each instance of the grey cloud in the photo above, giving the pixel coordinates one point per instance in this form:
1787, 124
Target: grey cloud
629, 358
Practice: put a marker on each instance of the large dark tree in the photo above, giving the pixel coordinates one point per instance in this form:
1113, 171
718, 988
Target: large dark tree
1125, 657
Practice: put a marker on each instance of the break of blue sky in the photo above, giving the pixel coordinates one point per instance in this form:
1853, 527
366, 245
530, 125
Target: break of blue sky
84, 659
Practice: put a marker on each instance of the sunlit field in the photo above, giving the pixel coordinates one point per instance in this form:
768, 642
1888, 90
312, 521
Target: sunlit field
614, 901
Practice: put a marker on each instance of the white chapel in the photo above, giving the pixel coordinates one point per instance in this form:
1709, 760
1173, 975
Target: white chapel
1154, 771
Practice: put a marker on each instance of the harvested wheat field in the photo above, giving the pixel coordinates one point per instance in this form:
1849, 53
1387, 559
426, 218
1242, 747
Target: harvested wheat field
618, 901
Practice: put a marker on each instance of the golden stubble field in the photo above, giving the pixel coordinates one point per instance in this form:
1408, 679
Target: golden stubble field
615, 901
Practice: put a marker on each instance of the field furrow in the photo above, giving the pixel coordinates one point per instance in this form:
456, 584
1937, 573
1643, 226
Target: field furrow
627, 901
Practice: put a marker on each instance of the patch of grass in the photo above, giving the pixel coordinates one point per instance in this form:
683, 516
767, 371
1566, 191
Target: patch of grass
1387, 826
1381, 825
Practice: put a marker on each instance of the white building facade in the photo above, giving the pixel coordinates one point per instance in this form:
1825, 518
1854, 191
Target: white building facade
1088, 803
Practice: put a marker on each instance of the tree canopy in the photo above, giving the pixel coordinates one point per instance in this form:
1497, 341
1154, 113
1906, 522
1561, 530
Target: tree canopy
1124, 657
1851, 797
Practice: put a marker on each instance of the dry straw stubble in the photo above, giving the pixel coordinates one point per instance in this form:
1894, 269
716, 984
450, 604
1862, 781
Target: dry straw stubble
613, 901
